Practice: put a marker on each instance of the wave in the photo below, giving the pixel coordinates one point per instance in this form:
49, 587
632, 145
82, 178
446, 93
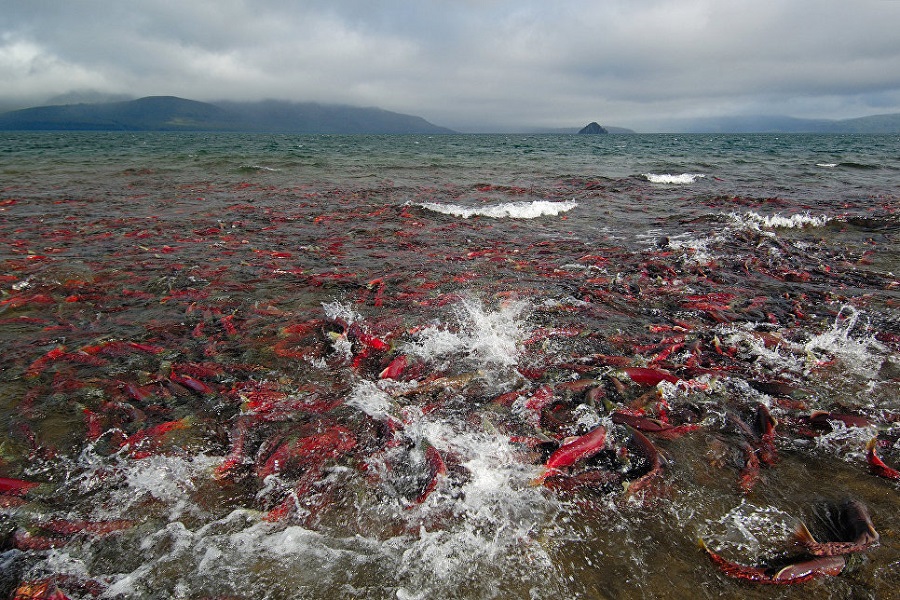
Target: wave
255, 168
862, 166
681, 179
513, 210
755, 220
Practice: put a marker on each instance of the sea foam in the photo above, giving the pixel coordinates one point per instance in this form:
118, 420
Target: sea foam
754, 220
666, 178
512, 210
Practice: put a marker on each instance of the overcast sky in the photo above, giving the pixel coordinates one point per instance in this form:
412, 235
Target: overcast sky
471, 65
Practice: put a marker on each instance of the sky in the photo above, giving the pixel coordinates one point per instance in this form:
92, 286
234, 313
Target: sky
470, 65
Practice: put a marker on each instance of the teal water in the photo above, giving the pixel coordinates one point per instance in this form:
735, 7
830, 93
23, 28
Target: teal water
333, 366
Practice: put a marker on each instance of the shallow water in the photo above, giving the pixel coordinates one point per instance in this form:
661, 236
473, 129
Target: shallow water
201, 363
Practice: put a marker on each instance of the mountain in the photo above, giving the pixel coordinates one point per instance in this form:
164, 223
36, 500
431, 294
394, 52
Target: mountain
592, 128
168, 113
875, 124
309, 117
568, 130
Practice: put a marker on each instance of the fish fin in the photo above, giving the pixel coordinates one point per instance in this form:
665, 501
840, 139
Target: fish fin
539, 480
870, 445
802, 535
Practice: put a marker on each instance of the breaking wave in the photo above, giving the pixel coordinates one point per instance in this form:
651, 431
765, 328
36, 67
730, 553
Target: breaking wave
755, 220
666, 178
512, 210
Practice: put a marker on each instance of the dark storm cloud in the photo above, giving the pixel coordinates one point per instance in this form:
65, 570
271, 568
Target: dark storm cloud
470, 64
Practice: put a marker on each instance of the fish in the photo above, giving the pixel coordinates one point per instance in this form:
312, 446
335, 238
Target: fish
436, 469
145, 442
15, 487
44, 589
649, 376
191, 383
650, 454
395, 368
651, 425
793, 571
853, 525
878, 466
765, 424
579, 448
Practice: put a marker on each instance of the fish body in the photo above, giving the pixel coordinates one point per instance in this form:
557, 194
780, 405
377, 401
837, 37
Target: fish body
878, 466
650, 454
649, 376
15, 487
789, 573
569, 453
855, 529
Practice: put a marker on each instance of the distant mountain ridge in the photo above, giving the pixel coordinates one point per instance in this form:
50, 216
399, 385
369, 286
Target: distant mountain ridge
874, 124
170, 113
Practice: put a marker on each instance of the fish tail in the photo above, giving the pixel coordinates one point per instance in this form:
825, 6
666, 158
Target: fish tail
802, 536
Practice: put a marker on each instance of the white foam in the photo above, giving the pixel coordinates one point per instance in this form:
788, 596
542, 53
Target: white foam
669, 179
337, 311
749, 529
498, 515
367, 397
756, 221
695, 251
846, 443
859, 354
512, 210
489, 338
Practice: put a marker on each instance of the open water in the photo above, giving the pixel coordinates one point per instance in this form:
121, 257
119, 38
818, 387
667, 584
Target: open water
240, 366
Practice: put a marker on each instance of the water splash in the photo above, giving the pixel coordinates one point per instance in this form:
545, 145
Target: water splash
489, 339
861, 354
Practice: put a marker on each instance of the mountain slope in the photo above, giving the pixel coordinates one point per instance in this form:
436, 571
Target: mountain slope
875, 124
168, 113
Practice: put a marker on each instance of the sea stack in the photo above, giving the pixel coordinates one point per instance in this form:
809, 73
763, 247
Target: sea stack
592, 128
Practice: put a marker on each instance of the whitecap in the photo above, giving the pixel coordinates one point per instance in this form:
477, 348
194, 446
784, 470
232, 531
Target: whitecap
827, 165
666, 178
754, 220
512, 210
257, 168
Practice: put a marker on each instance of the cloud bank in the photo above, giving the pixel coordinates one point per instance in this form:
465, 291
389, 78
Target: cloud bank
470, 65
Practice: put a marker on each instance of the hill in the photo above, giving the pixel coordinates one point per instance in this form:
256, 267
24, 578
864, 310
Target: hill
875, 124
168, 113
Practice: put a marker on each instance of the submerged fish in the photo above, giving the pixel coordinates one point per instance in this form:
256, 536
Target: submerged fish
780, 573
853, 525
569, 453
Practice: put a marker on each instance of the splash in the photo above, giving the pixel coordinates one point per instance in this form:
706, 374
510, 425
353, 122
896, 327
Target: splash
749, 528
860, 354
488, 338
